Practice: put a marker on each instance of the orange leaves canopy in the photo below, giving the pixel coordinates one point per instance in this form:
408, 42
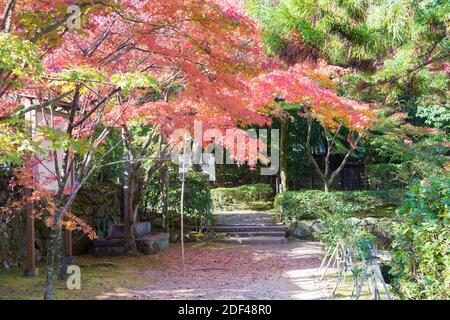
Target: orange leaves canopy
300, 86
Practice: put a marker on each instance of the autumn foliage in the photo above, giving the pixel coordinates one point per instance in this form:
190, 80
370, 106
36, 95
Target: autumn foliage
162, 64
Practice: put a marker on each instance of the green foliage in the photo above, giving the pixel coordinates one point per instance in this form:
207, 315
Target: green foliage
343, 31
414, 71
69, 79
364, 243
395, 53
311, 204
432, 105
19, 57
197, 198
14, 141
247, 197
420, 255
403, 151
340, 233
336, 226
60, 140
132, 80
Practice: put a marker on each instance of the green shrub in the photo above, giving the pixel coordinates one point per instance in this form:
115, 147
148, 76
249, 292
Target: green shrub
247, 197
420, 255
197, 199
336, 227
311, 204
339, 232
197, 196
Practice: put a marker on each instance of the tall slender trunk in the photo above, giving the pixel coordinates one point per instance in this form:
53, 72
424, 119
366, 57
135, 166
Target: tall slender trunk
59, 255
164, 196
130, 240
128, 194
129, 210
48, 295
51, 249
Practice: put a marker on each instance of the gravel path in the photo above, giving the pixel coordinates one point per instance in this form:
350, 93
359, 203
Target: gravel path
272, 272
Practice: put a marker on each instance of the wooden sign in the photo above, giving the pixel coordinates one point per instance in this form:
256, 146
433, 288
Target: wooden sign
45, 170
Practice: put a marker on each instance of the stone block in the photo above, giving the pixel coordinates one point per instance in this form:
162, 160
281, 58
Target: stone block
102, 251
31, 272
153, 244
117, 231
108, 243
117, 251
142, 229
318, 227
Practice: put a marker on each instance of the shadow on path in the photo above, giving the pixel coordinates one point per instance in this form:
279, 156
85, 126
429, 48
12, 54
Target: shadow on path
219, 271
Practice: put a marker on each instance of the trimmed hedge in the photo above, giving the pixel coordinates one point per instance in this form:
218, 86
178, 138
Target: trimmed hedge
311, 204
247, 197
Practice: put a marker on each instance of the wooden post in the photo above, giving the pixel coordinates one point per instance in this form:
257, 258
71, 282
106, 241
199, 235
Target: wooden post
31, 270
69, 259
68, 243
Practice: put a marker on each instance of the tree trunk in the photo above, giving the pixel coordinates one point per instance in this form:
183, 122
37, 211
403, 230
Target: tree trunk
327, 177
128, 190
130, 240
310, 154
59, 256
51, 249
136, 195
48, 295
325, 186
164, 196
130, 218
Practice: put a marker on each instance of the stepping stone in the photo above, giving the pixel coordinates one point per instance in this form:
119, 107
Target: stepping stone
249, 228
147, 242
255, 240
257, 233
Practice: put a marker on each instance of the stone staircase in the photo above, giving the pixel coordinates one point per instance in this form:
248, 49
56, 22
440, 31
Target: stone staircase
249, 228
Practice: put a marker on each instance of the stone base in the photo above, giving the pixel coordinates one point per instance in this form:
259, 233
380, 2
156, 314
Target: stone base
109, 251
153, 244
31, 272
69, 261
254, 240
148, 244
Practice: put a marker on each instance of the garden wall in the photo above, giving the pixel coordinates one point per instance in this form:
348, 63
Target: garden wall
371, 211
381, 228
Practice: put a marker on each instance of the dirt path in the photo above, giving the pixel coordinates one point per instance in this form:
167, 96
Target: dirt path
286, 271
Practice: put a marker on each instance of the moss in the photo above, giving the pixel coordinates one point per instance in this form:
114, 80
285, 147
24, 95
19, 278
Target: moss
98, 276
344, 290
385, 211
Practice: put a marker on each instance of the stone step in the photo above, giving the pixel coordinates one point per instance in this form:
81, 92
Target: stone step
254, 240
109, 251
256, 233
245, 218
249, 228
